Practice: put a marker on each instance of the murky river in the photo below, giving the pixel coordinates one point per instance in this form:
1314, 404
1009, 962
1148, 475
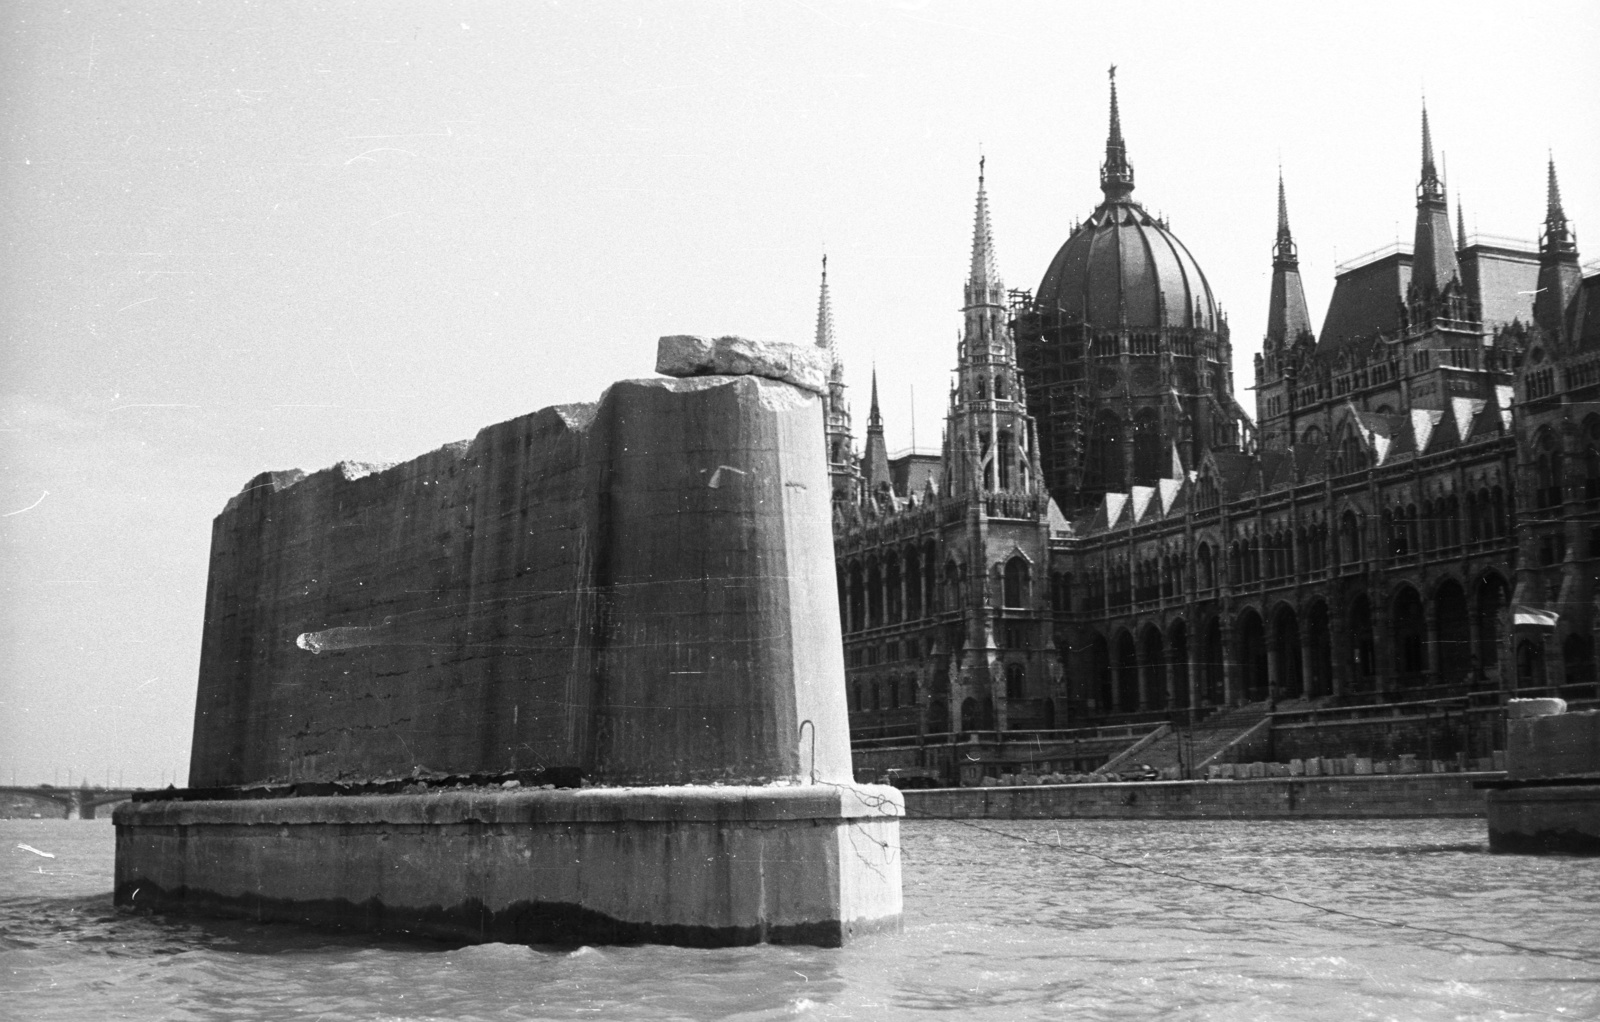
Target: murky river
1020, 920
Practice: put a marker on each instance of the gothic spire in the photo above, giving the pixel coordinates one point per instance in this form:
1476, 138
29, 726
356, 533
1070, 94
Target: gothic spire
1559, 272
1553, 211
1461, 223
1283, 251
825, 319
1116, 174
874, 419
1287, 315
1433, 263
985, 273
1429, 171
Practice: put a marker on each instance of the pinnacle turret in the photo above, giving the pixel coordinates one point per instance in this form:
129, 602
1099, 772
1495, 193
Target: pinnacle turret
1116, 174
1461, 223
1559, 272
1433, 264
1287, 315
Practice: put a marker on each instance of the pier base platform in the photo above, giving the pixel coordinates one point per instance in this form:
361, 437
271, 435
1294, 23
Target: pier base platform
1545, 818
689, 865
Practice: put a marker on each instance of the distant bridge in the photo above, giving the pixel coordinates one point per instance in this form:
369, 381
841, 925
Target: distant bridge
62, 803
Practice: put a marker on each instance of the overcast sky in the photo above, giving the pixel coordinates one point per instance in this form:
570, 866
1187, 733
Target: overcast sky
242, 237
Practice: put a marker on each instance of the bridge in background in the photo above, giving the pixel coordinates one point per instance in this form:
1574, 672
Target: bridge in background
61, 803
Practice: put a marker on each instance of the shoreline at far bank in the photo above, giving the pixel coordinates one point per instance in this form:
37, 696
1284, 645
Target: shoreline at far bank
1376, 796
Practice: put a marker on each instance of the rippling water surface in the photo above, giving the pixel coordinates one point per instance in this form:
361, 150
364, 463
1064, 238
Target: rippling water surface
997, 927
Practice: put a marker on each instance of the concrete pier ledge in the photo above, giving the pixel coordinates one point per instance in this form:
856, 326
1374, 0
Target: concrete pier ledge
691, 865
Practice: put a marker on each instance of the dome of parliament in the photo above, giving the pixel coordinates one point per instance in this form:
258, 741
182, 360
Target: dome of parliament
1122, 267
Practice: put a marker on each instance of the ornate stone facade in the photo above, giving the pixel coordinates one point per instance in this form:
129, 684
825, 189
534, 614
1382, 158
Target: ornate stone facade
1411, 519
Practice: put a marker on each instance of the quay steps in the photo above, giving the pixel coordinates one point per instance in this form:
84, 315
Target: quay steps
1189, 745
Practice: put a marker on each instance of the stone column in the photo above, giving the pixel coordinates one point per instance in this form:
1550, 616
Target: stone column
1144, 675
1274, 667
1230, 665
1430, 642
1307, 668
1194, 676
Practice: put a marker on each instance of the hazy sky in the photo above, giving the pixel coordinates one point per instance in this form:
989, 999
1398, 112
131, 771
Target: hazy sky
242, 236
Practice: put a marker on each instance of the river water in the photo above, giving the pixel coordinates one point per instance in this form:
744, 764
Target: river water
1016, 920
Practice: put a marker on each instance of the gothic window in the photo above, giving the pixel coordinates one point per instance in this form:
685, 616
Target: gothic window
1014, 680
1350, 528
1016, 582
1203, 559
999, 388
1007, 455
1147, 447
1547, 469
1206, 492
1105, 468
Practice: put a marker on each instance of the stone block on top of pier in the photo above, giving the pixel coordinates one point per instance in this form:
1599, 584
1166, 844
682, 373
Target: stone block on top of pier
635, 593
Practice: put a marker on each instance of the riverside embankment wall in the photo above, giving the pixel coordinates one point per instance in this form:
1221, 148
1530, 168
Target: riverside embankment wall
1350, 797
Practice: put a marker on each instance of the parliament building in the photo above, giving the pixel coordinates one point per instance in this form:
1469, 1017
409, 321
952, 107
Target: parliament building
1411, 517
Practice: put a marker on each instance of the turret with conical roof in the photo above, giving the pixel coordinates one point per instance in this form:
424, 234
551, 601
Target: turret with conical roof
1289, 338
1433, 260
1287, 316
1559, 272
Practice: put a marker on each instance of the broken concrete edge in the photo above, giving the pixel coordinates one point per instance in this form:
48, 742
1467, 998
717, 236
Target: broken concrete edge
678, 803
573, 417
688, 355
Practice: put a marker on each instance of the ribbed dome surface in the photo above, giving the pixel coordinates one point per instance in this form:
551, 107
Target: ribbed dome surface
1122, 268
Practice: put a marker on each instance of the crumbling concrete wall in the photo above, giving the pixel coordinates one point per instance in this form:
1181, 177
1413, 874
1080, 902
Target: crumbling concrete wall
641, 589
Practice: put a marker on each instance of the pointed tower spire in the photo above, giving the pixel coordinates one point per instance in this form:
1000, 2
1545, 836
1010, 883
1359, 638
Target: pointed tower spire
842, 469
1553, 210
984, 271
1433, 262
825, 318
1116, 174
1461, 224
875, 458
1287, 315
1559, 272
1429, 172
1283, 251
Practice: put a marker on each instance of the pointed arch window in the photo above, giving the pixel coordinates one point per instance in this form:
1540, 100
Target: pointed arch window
1105, 470
1147, 447
1016, 582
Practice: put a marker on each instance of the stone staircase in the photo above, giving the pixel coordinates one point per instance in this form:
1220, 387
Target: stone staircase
1188, 746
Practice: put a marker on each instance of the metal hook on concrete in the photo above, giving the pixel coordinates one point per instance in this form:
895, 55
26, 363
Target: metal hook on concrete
803, 725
